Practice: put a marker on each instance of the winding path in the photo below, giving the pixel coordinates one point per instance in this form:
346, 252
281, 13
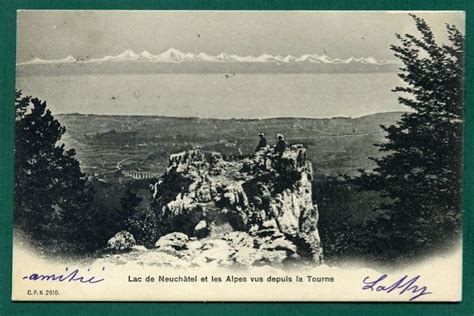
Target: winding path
118, 167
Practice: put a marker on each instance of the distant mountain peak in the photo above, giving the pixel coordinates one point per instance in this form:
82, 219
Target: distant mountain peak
37, 60
173, 55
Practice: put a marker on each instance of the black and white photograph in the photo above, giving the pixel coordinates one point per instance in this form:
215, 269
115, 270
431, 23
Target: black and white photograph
238, 155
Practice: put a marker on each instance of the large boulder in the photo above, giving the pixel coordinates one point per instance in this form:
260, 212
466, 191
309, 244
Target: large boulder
122, 241
175, 241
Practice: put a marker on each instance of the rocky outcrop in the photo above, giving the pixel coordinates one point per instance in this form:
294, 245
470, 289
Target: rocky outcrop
122, 241
255, 209
236, 248
174, 241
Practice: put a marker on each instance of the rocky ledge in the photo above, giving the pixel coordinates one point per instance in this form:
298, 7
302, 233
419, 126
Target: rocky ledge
231, 210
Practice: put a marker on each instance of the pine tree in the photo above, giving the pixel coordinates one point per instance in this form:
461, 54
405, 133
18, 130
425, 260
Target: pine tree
51, 192
421, 169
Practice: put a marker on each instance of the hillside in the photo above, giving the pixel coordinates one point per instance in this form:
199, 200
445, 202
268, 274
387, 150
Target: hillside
144, 143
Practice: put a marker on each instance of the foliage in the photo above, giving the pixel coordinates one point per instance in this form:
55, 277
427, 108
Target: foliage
143, 226
111, 207
421, 169
129, 203
346, 218
54, 201
50, 189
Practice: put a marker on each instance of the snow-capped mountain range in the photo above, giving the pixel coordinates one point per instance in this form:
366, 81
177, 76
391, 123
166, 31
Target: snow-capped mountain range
176, 56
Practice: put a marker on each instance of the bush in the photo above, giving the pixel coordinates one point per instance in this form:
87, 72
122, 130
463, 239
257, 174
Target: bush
347, 218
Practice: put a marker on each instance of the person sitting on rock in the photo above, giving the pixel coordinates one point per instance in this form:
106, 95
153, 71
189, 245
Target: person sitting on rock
281, 145
262, 143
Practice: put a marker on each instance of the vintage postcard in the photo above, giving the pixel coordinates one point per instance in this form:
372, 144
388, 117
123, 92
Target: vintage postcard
238, 156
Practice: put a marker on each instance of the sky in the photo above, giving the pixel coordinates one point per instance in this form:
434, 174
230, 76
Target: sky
94, 34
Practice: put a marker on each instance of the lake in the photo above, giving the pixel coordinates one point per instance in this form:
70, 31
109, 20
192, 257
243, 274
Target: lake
218, 96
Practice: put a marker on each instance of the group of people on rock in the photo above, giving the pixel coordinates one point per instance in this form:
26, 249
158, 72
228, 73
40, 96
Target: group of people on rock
279, 147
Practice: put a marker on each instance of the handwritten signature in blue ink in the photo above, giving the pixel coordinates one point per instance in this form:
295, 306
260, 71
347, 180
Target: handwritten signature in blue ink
73, 276
404, 285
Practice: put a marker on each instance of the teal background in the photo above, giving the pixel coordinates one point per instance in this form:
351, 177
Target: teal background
7, 84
